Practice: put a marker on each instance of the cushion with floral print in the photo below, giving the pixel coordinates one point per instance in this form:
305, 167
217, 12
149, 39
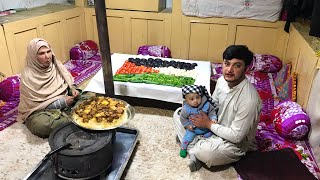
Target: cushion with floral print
216, 70
290, 121
84, 50
9, 100
266, 63
153, 50
9, 89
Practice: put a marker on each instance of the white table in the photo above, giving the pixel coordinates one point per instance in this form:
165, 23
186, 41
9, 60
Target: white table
150, 91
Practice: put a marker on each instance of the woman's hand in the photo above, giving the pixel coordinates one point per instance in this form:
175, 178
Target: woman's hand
201, 120
69, 100
75, 92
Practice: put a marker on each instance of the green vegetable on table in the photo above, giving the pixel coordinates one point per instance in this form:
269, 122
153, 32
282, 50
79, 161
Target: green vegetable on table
155, 78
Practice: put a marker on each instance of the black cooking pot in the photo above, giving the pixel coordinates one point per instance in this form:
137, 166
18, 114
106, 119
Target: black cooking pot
89, 154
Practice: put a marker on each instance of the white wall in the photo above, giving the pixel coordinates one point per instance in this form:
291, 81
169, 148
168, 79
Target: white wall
14, 4
168, 3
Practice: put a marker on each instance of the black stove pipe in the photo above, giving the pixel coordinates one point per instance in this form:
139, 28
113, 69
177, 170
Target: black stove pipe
102, 27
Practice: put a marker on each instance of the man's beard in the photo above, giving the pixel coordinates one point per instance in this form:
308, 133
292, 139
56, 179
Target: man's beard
235, 80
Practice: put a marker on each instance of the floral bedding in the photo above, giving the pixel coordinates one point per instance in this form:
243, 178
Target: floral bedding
82, 70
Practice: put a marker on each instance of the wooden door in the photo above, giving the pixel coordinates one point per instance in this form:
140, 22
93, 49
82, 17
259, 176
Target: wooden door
5, 65
116, 33
147, 32
260, 40
17, 45
74, 32
52, 33
207, 41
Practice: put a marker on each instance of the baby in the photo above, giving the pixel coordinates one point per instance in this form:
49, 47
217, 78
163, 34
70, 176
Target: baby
196, 99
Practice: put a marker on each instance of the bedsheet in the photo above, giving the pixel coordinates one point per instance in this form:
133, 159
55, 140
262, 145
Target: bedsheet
251, 9
150, 91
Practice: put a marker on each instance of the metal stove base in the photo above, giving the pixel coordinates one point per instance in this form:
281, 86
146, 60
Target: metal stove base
123, 146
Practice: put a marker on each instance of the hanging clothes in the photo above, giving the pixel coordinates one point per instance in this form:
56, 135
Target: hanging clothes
296, 8
292, 9
315, 20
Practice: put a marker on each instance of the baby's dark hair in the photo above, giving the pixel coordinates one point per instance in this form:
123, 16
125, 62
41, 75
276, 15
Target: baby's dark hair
241, 52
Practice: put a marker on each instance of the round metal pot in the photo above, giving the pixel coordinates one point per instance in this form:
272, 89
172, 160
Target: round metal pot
89, 155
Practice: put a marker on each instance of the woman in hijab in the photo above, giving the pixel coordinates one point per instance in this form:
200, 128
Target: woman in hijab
46, 90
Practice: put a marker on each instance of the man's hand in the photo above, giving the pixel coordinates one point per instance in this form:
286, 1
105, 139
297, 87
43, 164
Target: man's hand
69, 100
189, 127
201, 120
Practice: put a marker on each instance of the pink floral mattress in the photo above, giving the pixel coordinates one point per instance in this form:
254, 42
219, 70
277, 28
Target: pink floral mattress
82, 70
8, 114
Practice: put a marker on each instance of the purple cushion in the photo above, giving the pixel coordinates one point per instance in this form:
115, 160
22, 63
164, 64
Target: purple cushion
9, 89
84, 50
216, 70
157, 51
266, 63
290, 121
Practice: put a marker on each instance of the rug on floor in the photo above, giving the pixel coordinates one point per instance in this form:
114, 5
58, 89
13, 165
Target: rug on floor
156, 155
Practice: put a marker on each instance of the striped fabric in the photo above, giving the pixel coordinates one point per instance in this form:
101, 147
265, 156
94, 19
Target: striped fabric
58, 104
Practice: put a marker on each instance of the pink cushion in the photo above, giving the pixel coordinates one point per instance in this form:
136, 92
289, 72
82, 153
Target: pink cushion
84, 50
290, 121
216, 70
266, 63
157, 51
9, 97
9, 89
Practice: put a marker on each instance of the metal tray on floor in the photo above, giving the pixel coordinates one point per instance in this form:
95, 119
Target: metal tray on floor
123, 146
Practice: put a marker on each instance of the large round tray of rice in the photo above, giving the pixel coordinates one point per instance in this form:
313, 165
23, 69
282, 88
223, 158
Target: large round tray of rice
102, 113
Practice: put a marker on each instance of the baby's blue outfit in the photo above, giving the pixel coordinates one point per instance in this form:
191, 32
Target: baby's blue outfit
188, 111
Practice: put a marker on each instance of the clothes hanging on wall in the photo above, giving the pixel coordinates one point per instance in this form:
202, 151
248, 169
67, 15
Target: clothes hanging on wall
292, 9
306, 8
297, 8
315, 20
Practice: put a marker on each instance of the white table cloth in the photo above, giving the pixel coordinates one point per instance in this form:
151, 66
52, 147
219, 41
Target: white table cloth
150, 91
